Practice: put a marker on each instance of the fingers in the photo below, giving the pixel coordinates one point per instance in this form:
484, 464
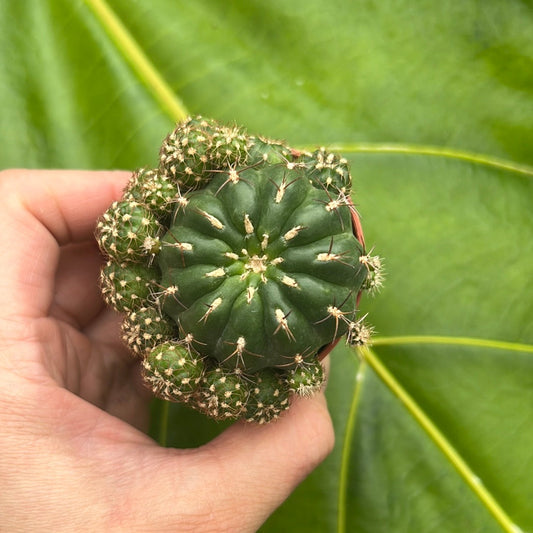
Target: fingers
42, 210
235, 482
65, 202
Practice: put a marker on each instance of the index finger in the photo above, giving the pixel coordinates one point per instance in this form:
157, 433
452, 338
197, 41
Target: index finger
41, 211
65, 202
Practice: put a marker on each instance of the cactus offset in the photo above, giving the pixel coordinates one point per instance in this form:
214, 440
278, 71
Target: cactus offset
236, 263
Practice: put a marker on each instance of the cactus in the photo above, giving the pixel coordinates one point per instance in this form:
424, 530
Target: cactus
238, 263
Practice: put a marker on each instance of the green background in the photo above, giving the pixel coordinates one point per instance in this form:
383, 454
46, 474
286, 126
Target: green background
431, 102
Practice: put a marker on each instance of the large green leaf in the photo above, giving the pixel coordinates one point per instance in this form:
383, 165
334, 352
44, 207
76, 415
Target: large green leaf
432, 103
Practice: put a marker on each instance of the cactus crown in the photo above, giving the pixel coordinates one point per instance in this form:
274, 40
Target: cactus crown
236, 262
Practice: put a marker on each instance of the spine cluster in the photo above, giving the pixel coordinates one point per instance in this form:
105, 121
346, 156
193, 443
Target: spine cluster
189, 257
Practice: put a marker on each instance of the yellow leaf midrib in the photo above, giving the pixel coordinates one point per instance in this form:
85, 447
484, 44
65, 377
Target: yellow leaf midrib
449, 340
432, 151
370, 358
170, 103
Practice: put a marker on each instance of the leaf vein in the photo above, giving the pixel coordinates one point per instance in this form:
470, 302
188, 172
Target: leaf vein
458, 341
436, 151
461, 466
346, 448
170, 103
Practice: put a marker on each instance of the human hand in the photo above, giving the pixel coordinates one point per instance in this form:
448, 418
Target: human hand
74, 456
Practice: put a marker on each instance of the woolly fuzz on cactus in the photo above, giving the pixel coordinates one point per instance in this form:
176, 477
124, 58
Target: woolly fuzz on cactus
237, 263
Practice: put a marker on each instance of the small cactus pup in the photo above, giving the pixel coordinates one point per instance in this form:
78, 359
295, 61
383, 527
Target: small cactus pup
238, 263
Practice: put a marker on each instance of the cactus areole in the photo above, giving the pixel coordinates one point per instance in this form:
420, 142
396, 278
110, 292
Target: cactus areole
238, 263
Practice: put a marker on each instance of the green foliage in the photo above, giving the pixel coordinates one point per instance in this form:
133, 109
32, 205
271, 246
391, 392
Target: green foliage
431, 102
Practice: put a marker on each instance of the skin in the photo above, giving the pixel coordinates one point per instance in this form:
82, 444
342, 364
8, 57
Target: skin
73, 410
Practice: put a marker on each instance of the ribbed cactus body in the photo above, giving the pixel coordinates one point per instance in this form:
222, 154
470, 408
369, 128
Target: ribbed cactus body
236, 262
266, 266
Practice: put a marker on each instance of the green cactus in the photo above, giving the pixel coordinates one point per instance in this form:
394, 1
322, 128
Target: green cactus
173, 371
145, 328
269, 396
237, 263
128, 231
155, 190
306, 378
127, 287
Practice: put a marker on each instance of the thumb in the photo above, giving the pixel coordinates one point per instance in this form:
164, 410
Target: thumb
237, 480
